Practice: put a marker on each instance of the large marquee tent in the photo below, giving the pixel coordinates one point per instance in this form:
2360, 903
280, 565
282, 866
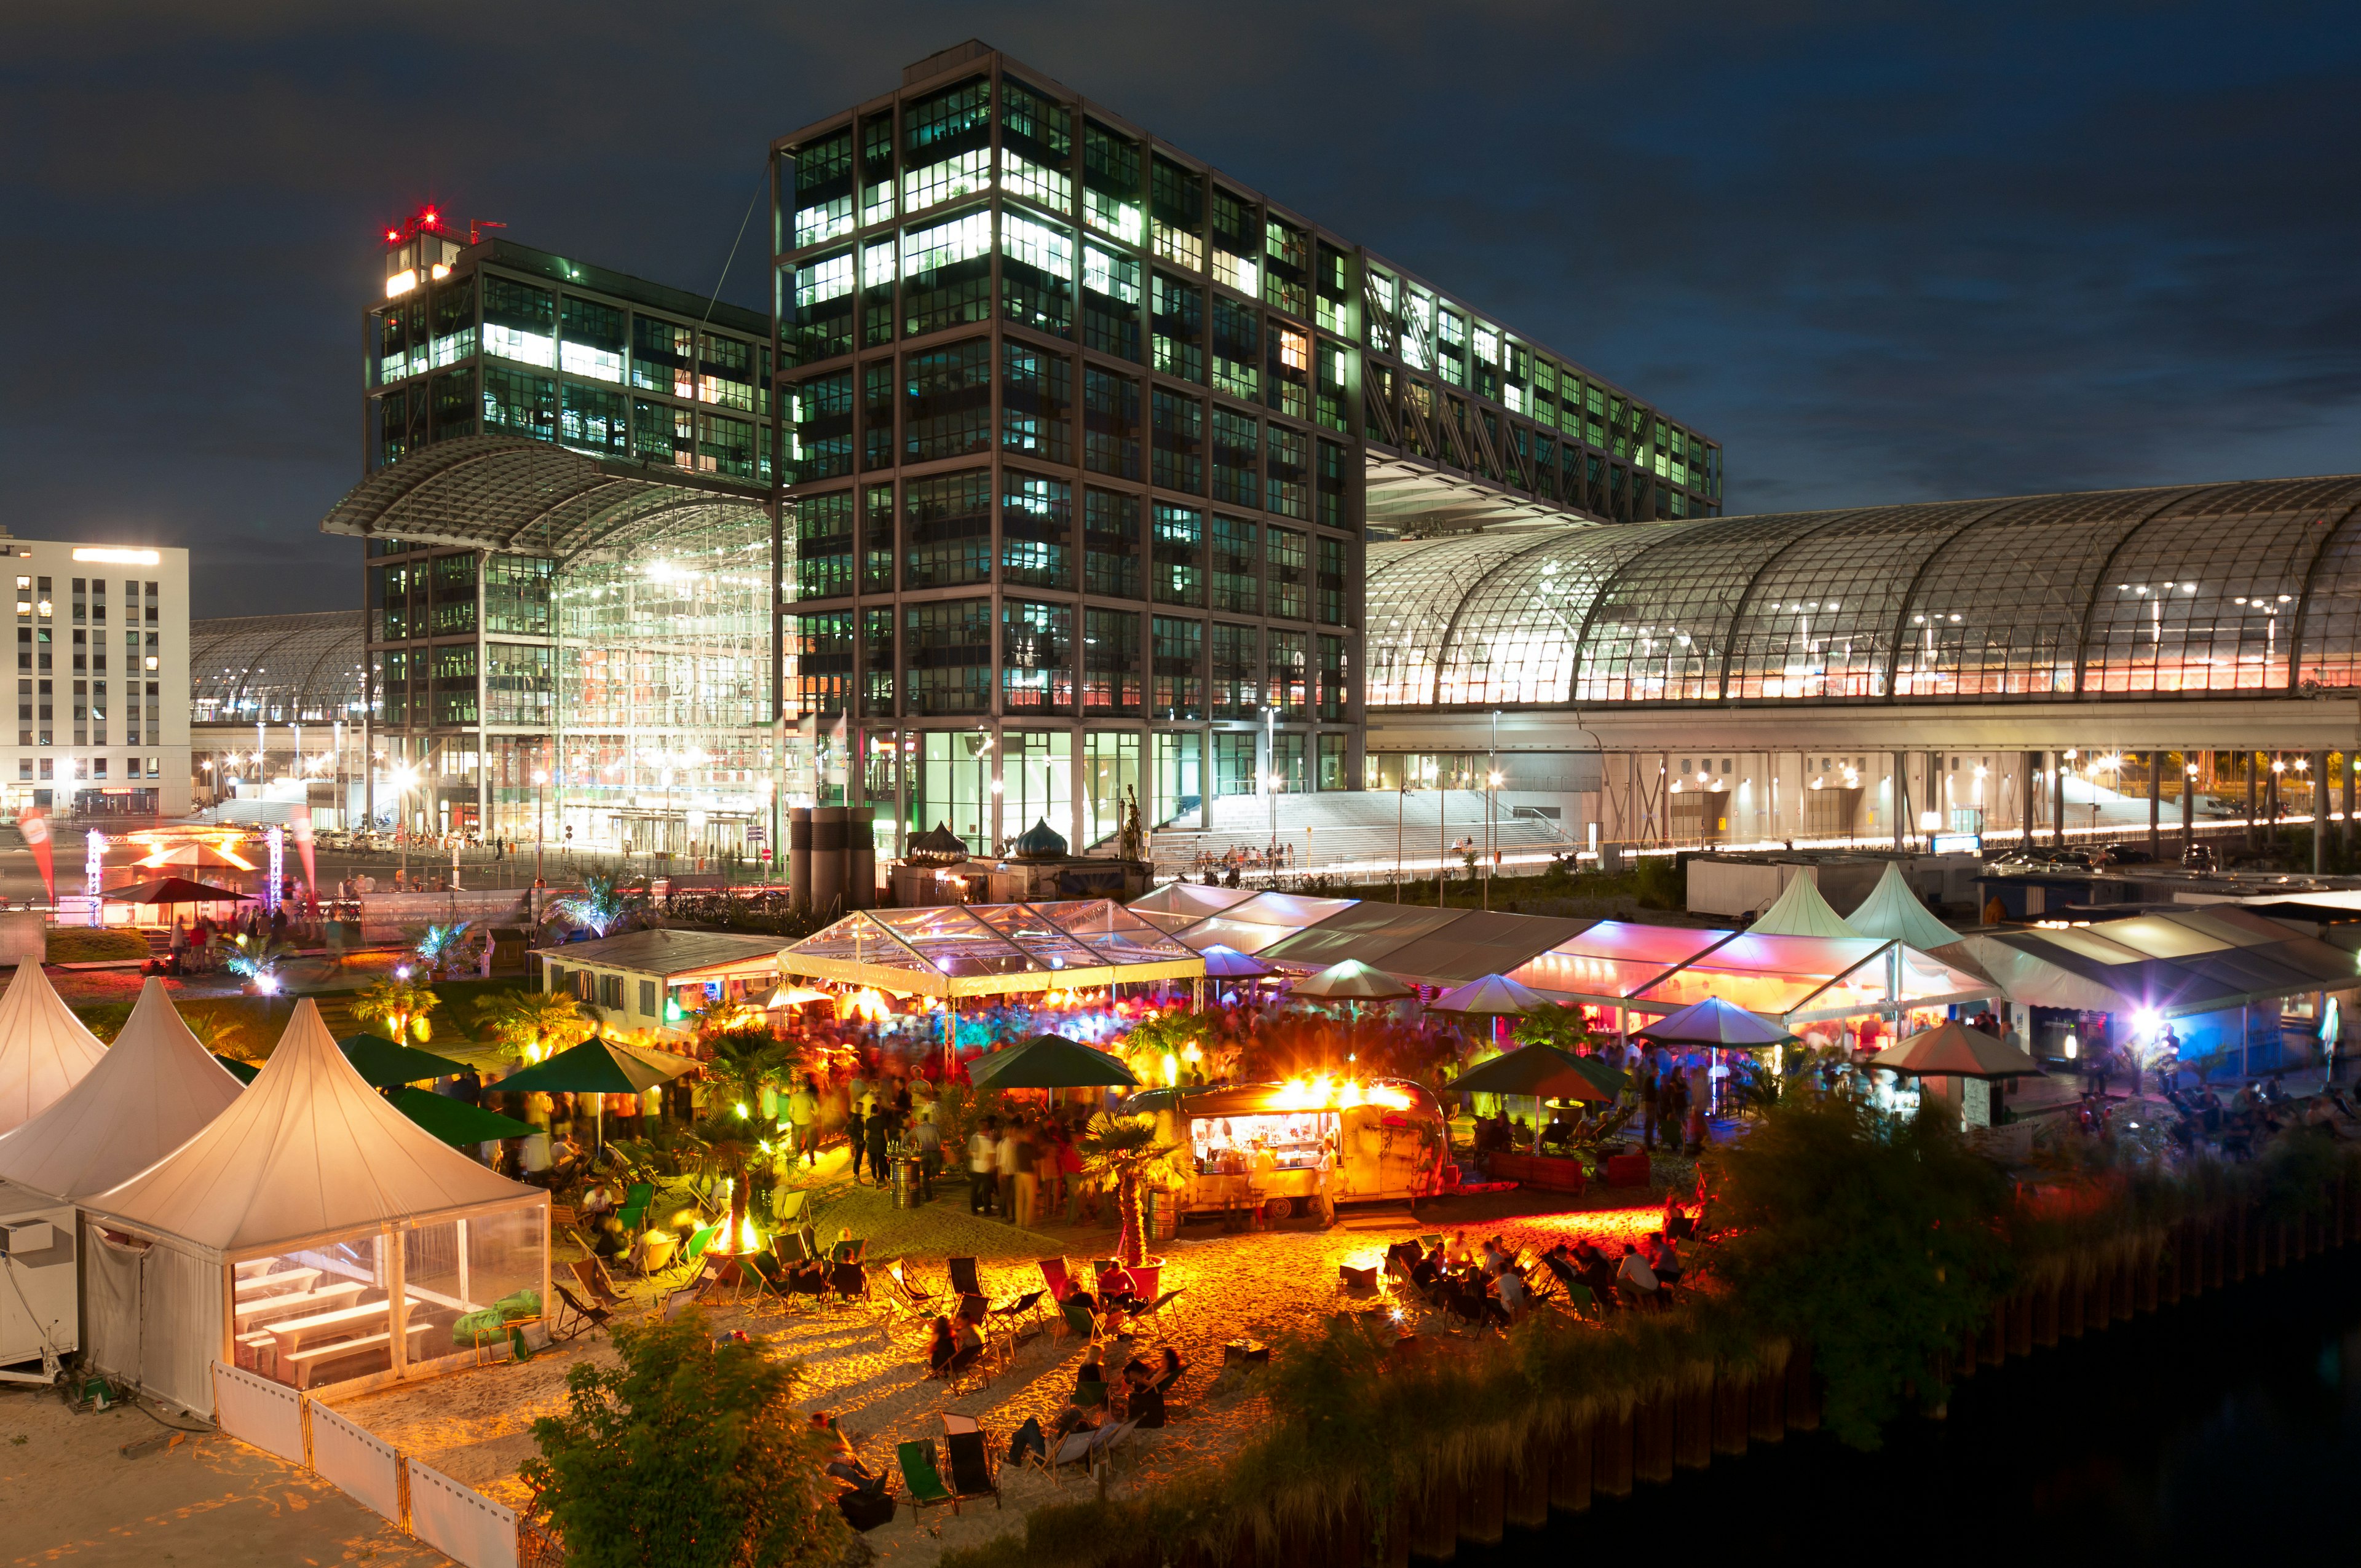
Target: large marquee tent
154, 1089
44, 1049
993, 949
1637, 968
313, 1234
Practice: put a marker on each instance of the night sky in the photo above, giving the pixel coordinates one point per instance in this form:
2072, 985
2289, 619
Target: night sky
1882, 252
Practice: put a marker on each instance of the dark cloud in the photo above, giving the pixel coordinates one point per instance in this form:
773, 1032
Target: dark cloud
1880, 252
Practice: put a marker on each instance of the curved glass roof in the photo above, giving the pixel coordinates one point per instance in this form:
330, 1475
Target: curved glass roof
2185, 590
276, 669
992, 949
506, 492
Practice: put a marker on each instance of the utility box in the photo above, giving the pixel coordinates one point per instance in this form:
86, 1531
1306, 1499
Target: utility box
37, 1254
24, 937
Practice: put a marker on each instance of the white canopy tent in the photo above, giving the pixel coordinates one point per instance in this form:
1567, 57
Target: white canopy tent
311, 1227
1894, 913
44, 1049
154, 1089
1800, 910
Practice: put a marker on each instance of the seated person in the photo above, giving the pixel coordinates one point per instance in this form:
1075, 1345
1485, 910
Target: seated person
942, 1345
1678, 1221
1456, 1254
846, 1249
1635, 1278
968, 1335
1425, 1271
842, 1462
1119, 1291
1143, 1400
1559, 1261
1514, 1296
1168, 1376
1070, 1420
1091, 1372
1493, 1258
1598, 1272
1663, 1256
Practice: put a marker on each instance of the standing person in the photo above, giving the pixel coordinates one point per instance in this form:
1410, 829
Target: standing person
1029, 1177
1010, 1159
1322, 1165
927, 1139
1078, 1188
803, 1122
981, 1161
856, 1128
878, 1130
1644, 1084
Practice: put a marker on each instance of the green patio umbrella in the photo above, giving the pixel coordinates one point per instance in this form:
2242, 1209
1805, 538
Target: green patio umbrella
382, 1064
1050, 1061
597, 1066
1544, 1072
244, 1071
455, 1121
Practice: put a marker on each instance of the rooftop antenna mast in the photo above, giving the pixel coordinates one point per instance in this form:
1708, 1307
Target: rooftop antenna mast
475, 226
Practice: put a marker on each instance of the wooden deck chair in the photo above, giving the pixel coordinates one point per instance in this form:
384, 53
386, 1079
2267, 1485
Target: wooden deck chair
788, 1209
1154, 1311
973, 1472
1027, 1304
633, 1214
904, 1300
1076, 1321
920, 1484
964, 1281
597, 1283
573, 1317
1054, 1277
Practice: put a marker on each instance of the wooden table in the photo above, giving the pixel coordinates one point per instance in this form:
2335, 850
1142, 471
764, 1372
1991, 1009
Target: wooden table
289, 1336
251, 1314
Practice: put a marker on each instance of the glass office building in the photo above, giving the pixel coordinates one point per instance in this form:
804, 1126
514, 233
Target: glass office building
570, 553
1081, 445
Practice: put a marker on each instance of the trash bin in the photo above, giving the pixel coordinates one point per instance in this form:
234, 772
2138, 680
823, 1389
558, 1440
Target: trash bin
907, 1183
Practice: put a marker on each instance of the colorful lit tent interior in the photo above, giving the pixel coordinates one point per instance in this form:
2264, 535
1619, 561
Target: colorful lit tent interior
155, 1089
1641, 968
310, 1233
992, 949
44, 1049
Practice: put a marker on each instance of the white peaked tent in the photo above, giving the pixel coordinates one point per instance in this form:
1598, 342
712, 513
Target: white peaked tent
154, 1089
310, 1233
1800, 910
44, 1049
1894, 913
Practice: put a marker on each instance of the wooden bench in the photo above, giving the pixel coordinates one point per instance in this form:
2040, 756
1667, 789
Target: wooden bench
291, 1334
304, 1362
291, 1279
255, 1313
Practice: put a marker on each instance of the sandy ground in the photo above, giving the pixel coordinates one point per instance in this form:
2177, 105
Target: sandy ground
867, 1366
66, 1495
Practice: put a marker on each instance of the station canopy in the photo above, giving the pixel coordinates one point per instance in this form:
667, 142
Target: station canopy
1640, 967
993, 949
513, 493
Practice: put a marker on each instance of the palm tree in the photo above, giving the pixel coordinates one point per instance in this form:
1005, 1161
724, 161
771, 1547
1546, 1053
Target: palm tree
256, 960
438, 949
602, 905
534, 1024
1119, 1149
215, 1031
400, 1005
731, 1139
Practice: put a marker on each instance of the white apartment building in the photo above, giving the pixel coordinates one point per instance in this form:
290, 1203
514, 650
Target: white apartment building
102, 729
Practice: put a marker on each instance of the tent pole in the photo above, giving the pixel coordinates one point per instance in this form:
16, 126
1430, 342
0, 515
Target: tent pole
398, 1315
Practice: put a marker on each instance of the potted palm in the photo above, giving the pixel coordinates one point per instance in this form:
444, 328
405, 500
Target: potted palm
534, 1024
400, 1006
1121, 1152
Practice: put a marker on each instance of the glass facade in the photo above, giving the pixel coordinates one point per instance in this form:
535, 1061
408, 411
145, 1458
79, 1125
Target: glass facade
600, 672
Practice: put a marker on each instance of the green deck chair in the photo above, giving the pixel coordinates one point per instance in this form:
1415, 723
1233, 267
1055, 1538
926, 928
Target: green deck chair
925, 1488
634, 1212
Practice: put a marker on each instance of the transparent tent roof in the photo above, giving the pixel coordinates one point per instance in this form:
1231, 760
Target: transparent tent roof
992, 949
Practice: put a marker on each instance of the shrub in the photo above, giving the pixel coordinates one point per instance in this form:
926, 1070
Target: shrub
85, 945
1875, 1237
688, 1454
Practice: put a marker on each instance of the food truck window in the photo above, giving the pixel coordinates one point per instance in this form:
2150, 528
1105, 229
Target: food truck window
1233, 1145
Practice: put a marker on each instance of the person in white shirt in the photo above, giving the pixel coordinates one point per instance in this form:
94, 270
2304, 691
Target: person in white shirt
1634, 1279
983, 1160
